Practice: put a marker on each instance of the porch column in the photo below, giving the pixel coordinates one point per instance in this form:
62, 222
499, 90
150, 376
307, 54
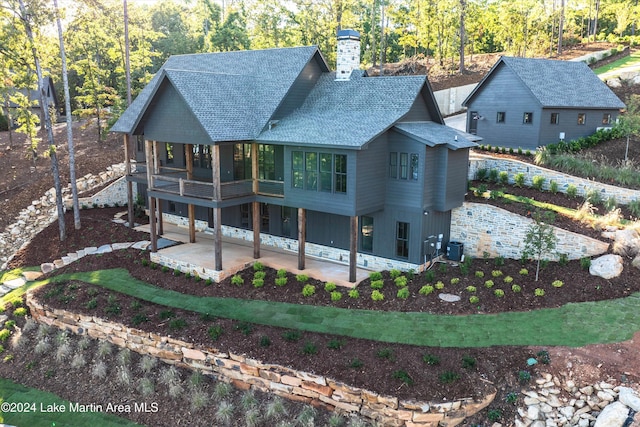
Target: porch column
156, 170
353, 249
127, 172
191, 209
217, 212
302, 235
148, 153
255, 208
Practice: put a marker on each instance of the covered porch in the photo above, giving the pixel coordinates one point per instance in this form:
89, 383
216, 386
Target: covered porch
199, 257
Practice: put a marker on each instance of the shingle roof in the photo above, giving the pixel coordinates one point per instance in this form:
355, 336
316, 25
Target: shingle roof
347, 113
226, 78
561, 84
432, 134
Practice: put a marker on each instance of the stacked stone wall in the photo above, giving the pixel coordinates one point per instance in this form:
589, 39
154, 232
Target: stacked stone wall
246, 373
486, 228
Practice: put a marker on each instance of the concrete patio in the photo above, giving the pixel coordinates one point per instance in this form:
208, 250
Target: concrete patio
237, 254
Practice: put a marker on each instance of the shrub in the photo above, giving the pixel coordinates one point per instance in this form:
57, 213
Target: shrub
401, 281
376, 295
563, 259
281, 281
479, 274
512, 397
378, 284
257, 283
385, 353
508, 279
291, 336
482, 188
543, 357
523, 272
258, 266
524, 376
264, 341
354, 294
572, 191
594, 197
429, 276
375, 275
403, 376
394, 273
208, 282
281, 273
634, 207
403, 293
4, 334
20, 312
494, 415
516, 288
585, 263
431, 360
455, 281
489, 284
493, 175
519, 179
557, 283
439, 285
448, 377
539, 292
335, 344
426, 290
498, 293
499, 261
237, 280
259, 275
481, 174
302, 278
330, 287
215, 332
308, 290
468, 362
309, 348
538, 182
496, 273
356, 363
336, 296
244, 327
503, 177
474, 299
471, 289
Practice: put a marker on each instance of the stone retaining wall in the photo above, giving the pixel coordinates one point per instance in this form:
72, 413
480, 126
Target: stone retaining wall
114, 194
486, 228
479, 161
246, 373
43, 212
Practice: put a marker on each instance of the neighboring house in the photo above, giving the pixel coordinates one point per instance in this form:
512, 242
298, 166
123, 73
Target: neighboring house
34, 96
527, 103
273, 141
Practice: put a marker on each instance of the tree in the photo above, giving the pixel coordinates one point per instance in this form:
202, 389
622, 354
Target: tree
540, 238
630, 121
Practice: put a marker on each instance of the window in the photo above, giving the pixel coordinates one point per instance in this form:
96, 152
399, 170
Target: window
606, 119
242, 161
196, 155
406, 168
366, 234
326, 171
172, 207
500, 117
139, 143
402, 239
393, 165
266, 162
297, 168
311, 171
202, 156
169, 153
555, 118
527, 118
340, 173
582, 118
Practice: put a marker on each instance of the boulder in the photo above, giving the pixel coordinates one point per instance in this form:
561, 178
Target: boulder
607, 266
629, 398
626, 242
636, 261
635, 81
613, 415
614, 83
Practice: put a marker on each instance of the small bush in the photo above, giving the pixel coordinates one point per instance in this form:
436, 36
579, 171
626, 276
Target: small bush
481, 174
335, 344
523, 272
426, 290
281, 281
503, 177
403, 293
260, 275
356, 363
543, 357
489, 284
496, 273
471, 289
336, 296
264, 341
215, 332
385, 353
508, 279
479, 274
378, 284
395, 273
376, 295
494, 415
291, 336
4, 334
572, 191
512, 397
257, 283
498, 293
429, 276
585, 263
302, 278
553, 186
375, 275
330, 287
354, 294
519, 179
516, 288
308, 290
563, 259
468, 362
557, 283
539, 292
258, 266
474, 299
524, 376
538, 182
20, 312
309, 348
431, 360
448, 377
403, 376
281, 273
499, 261
400, 281
455, 281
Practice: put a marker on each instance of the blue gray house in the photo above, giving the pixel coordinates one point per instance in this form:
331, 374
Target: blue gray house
273, 144
527, 103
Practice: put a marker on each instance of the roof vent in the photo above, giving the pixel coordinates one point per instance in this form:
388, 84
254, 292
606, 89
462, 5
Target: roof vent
348, 58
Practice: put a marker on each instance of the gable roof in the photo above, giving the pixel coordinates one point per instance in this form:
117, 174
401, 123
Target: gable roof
433, 134
216, 85
556, 84
347, 113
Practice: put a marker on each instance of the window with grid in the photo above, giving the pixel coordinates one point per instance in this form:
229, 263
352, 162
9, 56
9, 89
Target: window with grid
402, 239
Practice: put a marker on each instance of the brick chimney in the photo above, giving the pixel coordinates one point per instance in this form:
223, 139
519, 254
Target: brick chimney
348, 58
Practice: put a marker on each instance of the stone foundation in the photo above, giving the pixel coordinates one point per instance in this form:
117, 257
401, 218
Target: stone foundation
246, 373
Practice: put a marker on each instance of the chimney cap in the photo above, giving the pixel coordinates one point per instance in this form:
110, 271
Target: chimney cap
348, 35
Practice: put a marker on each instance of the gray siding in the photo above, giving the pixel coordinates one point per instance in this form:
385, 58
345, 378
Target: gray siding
371, 174
419, 111
505, 92
568, 123
170, 120
401, 192
300, 89
451, 179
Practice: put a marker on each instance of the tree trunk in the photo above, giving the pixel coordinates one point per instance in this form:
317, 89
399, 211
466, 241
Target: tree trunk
373, 33
462, 34
560, 27
127, 64
67, 106
382, 42
595, 23
47, 122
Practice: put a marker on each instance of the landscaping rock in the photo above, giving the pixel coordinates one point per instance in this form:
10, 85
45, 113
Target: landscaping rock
613, 415
607, 266
449, 297
626, 242
614, 83
629, 398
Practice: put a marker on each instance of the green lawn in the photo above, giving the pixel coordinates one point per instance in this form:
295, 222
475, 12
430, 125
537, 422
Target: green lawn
575, 324
23, 406
622, 62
